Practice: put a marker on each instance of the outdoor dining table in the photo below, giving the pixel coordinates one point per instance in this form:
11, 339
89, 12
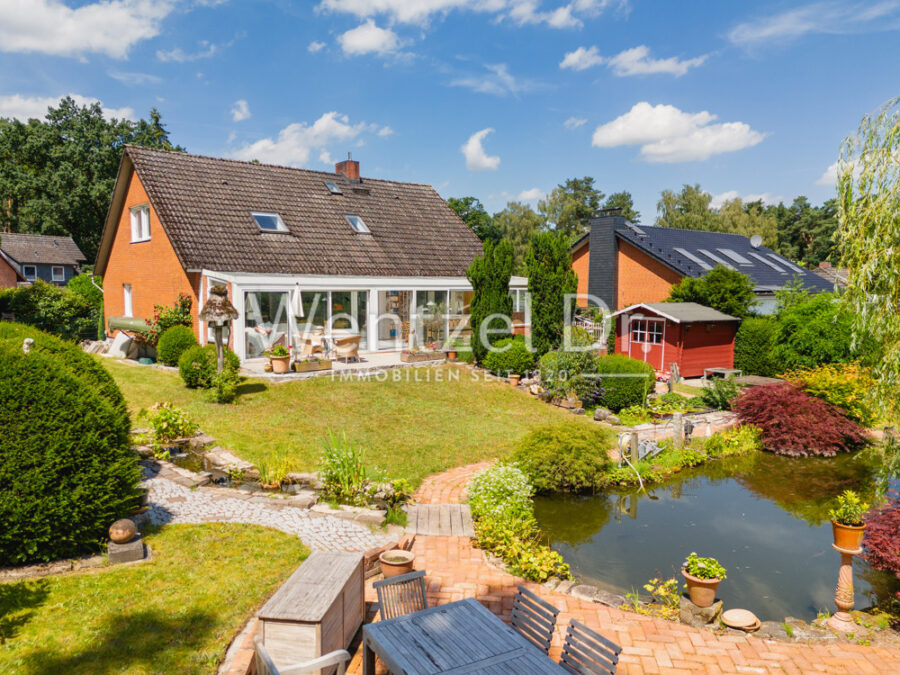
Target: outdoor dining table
459, 637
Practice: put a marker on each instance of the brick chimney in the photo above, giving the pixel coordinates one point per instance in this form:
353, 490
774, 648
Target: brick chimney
348, 168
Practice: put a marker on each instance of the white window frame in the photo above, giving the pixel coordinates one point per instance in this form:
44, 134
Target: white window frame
62, 273
128, 295
279, 225
33, 275
140, 223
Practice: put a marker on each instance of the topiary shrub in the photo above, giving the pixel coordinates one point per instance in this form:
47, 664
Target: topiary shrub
197, 366
67, 470
509, 357
753, 347
565, 457
796, 424
625, 381
173, 343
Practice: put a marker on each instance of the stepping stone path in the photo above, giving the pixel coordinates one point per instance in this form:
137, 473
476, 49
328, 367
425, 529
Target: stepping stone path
176, 502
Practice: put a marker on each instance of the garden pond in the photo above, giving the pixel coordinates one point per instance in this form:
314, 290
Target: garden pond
765, 518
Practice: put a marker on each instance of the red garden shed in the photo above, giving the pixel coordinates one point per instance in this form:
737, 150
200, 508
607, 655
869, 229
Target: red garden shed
691, 335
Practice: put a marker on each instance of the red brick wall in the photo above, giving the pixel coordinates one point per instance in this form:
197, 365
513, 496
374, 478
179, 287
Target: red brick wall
151, 267
580, 260
640, 277
8, 277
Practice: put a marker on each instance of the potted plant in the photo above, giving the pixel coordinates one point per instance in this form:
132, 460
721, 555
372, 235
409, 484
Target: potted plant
311, 364
847, 523
703, 576
280, 358
514, 379
396, 562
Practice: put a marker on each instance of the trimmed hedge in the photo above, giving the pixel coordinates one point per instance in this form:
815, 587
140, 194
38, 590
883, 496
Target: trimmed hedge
515, 359
625, 381
565, 457
197, 366
754, 346
67, 470
175, 342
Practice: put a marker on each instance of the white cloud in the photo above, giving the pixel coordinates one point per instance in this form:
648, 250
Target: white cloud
634, 61
35, 107
476, 158
178, 55
315, 47
325, 157
110, 27
384, 132
575, 122
498, 81
829, 177
240, 111
667, 134
765, 197
134, 79
835, 18
530, 195
368, 38
297, 141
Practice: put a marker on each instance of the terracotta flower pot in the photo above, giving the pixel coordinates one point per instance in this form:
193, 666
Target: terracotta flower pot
848, 537
514, 380
702, 591
280, 364
451, 355
396, 562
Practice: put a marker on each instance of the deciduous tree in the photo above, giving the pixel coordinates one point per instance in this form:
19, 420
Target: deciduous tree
570, 207
723, 289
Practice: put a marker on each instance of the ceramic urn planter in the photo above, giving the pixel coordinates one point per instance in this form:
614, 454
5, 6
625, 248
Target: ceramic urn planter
701, 591
847, 537
396, 562
280, 364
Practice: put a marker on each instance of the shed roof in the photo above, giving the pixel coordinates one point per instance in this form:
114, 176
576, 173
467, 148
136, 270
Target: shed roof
681, 312
27, 249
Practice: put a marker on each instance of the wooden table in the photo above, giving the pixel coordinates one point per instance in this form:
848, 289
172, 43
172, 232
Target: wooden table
459, 637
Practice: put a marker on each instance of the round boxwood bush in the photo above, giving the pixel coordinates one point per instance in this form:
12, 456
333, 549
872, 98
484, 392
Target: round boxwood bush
753, 347
197, 366
567, 457
509, 356
67, 470
173, 343
85, 367
625, 381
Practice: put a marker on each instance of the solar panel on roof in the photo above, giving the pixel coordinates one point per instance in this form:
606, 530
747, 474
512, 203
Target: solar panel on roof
786, 263
690, 256
716, 258
734, 255
768, 262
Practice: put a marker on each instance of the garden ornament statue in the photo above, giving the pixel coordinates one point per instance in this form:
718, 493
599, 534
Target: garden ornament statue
218, 312
27, 344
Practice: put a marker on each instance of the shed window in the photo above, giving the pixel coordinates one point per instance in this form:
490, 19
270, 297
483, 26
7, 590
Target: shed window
57, 273
357, 224
29, 272
140, 223
269, 222
646, 332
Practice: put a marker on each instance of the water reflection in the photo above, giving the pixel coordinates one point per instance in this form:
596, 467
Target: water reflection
765, 517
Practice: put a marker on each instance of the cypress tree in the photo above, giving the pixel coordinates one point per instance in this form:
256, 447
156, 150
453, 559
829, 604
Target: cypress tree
489, 275
550, 278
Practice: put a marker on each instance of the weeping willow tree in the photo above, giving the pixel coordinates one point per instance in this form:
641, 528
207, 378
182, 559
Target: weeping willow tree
868, 240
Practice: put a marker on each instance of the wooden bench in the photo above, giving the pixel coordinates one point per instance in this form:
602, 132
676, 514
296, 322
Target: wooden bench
316, 611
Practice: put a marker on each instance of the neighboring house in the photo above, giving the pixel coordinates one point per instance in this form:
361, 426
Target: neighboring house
41, 256
298, 250
9, 272
691, 335
837, 276
624, 264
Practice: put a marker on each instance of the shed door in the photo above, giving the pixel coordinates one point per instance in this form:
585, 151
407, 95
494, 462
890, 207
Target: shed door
647, 341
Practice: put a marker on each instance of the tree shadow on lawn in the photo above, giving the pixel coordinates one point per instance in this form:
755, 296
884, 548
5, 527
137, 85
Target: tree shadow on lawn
18, 600
136, 641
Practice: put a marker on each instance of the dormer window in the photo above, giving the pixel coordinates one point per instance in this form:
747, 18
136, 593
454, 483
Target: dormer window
333, 187
140, 223
357, 224
269, 222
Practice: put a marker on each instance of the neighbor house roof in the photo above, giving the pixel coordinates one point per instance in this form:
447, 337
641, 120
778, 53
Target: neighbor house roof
28, 249
681, 312
205, 205
6, 260
834, 275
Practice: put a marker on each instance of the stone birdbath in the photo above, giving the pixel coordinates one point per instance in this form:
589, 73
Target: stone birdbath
218, 312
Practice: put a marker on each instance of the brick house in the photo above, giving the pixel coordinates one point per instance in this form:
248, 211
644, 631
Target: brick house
298, 250
50, 258
9, 272
624, 264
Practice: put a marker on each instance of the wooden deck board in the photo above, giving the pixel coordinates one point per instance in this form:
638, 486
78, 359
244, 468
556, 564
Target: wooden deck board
440, 520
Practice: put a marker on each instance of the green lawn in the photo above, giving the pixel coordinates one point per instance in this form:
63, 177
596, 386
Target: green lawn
408, 429
174, 614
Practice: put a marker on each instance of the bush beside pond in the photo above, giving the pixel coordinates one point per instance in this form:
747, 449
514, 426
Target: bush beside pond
625, 381
565, 457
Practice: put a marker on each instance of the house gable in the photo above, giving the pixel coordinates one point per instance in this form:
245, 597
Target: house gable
640, 277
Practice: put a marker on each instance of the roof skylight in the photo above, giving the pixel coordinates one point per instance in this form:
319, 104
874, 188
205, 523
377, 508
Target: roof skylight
269, 222
690, 256
713, 256
734, 255
357, 224
333, 187
786, 263
769, 263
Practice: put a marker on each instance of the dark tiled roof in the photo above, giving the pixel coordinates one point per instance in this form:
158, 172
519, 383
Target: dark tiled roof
770, 273
205, 203
41, 248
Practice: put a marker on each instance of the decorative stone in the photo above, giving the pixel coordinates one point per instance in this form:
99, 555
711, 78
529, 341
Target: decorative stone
122, 531
698, 617
614, 420
578, 411
122, 553
535, 390
601, 414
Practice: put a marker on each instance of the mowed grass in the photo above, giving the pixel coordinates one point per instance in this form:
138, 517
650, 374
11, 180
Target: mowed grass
431, 420
174, 614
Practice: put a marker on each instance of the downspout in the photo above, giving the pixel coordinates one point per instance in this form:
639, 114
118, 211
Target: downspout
91, 277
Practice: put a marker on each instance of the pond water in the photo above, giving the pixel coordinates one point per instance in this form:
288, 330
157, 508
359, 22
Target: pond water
764, 517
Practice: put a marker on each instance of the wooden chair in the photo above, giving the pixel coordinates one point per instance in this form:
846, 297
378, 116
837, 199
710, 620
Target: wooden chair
534, 618
308, 344
586, 652
347, 347
263, 664
402, 594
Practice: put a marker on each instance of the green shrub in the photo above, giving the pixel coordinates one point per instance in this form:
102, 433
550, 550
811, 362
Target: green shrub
179, 314
509, 357
197, 366
753, 347
501, 487
625, 381
169, 422
343, 471
565, 457
173, 343
812, 330
224, 386
846, 386
720, 393
67, 470
53, 309
740, 440
566, 371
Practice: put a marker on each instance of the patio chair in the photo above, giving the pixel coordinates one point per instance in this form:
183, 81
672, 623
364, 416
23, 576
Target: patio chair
347, 347
264, 665
403, 594
534, 618
588, 653
308, 343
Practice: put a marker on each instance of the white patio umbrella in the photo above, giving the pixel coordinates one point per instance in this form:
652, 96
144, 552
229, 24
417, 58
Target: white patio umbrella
297, 303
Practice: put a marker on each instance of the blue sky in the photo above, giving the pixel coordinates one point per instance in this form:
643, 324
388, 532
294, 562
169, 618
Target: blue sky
500, 99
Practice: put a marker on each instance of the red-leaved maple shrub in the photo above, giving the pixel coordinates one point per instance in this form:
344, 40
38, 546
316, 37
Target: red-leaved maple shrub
796, 424
882, 538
